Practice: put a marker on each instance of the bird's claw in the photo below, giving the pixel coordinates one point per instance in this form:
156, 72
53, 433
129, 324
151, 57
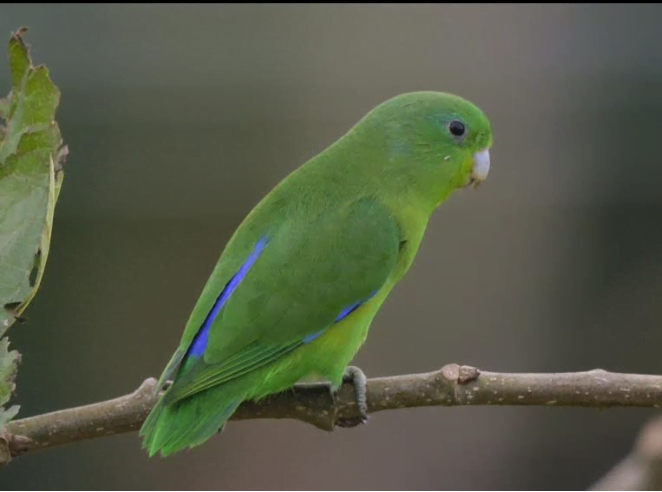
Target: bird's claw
358, 379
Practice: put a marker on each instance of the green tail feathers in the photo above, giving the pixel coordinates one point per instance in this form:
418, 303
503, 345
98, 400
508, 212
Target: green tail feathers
187, 423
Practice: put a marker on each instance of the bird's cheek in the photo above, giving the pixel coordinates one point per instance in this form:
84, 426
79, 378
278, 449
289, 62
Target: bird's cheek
464, 171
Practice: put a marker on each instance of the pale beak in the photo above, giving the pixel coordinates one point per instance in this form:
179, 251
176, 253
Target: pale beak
481, 167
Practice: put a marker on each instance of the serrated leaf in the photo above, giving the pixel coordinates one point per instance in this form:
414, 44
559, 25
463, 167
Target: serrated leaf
19, 59
33, 109
31, 158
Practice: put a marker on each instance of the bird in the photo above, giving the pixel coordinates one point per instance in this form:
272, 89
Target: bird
298, 284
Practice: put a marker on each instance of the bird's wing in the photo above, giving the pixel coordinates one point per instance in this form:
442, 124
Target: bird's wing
293, 285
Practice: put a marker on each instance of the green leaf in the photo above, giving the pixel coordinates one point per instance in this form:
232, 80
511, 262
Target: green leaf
8, 366
31, 157
19, 58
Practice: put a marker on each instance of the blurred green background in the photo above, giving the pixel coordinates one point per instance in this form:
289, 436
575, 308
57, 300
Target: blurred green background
179, 118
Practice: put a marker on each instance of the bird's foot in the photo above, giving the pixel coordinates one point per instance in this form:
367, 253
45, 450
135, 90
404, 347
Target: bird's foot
358, 379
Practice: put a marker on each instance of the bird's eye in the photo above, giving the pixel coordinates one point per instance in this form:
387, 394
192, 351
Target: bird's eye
456, 128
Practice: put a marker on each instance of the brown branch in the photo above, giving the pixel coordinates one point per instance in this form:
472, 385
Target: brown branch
453, 385
642, 468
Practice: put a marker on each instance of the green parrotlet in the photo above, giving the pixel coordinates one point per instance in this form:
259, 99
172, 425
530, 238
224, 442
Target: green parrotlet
298, 284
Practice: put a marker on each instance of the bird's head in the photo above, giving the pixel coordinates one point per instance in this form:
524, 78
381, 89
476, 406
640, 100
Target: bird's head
431, 142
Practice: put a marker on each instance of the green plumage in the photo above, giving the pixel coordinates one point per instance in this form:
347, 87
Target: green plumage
338, 232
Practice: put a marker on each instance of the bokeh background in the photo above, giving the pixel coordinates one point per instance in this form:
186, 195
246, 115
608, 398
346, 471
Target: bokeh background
179, 118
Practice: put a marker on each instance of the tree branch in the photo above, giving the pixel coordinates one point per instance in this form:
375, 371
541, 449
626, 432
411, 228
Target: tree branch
642, 468
453, 385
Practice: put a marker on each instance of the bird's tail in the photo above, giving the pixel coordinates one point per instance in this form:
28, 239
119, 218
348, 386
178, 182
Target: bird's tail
171, 427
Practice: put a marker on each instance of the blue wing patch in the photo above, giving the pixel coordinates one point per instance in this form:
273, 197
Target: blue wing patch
343, 314
348, 310
312, 337
201, 339
199, 344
